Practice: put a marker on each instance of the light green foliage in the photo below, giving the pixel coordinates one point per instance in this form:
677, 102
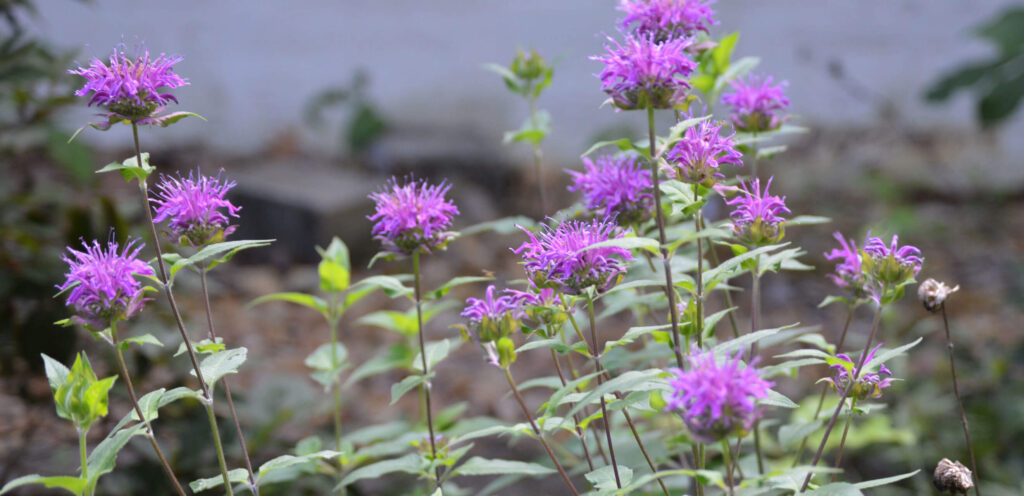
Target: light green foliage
80, 396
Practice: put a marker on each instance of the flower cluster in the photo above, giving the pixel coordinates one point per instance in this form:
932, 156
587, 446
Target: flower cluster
848, 273
131, 88
702, 150
643, 73
413, 216
193, 207
756, 219
868, 384
538, 307
891, 264
561, 257
102, 283
617, 186
716, 399
493, 317
756, 102
664, 19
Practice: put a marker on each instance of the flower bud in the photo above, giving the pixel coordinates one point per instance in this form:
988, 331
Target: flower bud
952, 477
506, 352
933, 294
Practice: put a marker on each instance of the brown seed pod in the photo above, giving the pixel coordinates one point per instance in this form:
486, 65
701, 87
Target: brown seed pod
933, 294
952, 477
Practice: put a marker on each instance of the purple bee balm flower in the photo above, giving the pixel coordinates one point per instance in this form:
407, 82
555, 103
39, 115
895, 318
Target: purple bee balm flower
538, 307
616, 186
131, 88
643, 73
664, 19
413, 216
756, 102
493, 317
101, 282
193, 207
702, 150
868, 385
848, 274
891, 264
716, 399
561, 257
756, 219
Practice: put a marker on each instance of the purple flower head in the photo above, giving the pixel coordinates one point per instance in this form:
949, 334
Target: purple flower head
868, 385
194, 206
492, 318
716, 399
102, 283
848, 274
616, 186
131, 88
644, 73
702, 150
664, 19
538, 307
891, 264
413, 216
756, 102
559, 257
756, 219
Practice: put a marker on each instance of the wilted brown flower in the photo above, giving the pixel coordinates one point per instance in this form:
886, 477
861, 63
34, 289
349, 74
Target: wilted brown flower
953, 477
933, 294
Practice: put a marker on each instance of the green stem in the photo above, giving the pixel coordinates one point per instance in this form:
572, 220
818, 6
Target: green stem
824, 389
576, 416
842, 441
727, 460
537, 155
960, 401
670, 292
423, 357
83, 452
600, 380
755, 321
227, 389
333, 325
138, 411
220, 449
537, 431
848, 389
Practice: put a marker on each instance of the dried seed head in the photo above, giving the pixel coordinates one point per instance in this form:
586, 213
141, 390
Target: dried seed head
952, 477
933, 294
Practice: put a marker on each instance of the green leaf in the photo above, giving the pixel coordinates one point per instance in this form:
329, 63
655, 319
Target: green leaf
732, 345
74, 485
404, 323
633, 380
629, 243
391, 285
216, 254
410, 464
807, 220
129, 168
484, 466
153, 401
56, 372
104, 456
306, 300
506, 225
334, 277
456, 281
236, 476
167, 120
139, 340
884, 354
721, 54
791, 433
677, 131
396, 358
776, 398
327, 363
285, 461
633, 334
623, 144
399, 389
603, 479
836, 489
886, 480
220, 364
531, 132
202, 347
436, 351
727, 269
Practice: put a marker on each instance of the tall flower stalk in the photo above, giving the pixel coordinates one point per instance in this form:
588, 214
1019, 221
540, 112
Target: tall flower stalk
606, 420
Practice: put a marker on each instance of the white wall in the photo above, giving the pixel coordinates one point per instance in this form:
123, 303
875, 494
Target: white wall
253, 65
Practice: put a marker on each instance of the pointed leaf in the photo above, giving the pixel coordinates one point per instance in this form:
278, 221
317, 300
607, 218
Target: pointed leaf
220, 364
484, 466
